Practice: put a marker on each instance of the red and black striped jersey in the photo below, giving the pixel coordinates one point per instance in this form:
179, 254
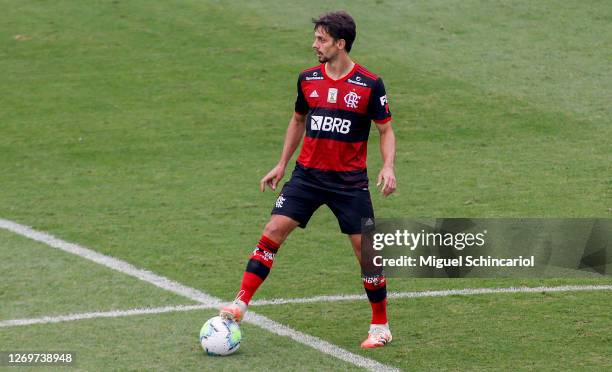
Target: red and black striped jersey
339, 114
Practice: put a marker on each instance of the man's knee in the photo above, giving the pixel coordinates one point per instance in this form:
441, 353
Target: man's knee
279, 227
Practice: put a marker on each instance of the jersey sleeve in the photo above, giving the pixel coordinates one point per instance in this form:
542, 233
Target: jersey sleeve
378, 108
301, 106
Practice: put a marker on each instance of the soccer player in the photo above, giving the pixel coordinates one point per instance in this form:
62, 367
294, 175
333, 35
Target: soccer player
336, 102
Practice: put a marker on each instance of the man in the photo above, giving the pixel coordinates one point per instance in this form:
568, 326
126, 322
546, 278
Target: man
336, 102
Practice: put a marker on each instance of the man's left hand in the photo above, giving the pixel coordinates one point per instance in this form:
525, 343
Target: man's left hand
387, 178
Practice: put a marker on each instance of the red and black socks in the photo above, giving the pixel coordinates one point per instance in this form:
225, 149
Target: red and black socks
258, 268
376, 290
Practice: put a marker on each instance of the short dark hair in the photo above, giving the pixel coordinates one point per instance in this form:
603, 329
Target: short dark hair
340, 25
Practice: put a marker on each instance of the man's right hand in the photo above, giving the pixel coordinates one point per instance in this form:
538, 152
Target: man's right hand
272, 178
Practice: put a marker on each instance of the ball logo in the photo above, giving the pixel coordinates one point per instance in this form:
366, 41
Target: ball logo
329, 124
351, 100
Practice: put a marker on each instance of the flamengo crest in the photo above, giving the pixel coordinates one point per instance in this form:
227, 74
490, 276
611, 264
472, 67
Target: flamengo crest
352, 100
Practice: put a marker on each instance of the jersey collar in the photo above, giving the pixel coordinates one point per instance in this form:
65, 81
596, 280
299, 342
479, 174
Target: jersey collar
342, 78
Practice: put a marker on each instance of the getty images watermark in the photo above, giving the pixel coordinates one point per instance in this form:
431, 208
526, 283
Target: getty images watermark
458, 247
423, 239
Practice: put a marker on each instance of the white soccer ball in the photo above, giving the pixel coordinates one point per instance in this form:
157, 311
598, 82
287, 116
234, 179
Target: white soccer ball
220, 336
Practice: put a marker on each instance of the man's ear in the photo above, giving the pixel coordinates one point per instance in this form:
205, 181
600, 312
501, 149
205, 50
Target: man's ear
341, 43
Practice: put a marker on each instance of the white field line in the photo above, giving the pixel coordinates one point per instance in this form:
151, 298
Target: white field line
100, 314
281, 301
440, 293
109, 262
194, 294
317, 299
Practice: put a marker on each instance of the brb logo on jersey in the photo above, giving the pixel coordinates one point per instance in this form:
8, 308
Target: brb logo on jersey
329, 124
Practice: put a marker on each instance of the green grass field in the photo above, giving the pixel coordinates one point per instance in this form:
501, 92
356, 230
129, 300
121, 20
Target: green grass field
141, 129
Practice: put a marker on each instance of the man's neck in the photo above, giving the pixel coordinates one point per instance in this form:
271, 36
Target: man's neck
340, 67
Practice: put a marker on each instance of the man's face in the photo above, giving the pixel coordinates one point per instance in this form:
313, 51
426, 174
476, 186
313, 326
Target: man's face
324, 45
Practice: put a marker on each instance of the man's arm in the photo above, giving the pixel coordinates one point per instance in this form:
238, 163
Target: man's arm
387, 150
293, 137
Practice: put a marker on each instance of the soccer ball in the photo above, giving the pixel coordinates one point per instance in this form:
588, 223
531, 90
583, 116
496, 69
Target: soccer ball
220, 336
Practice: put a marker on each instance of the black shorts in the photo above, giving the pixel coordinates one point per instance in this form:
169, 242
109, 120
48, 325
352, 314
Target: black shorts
299, 200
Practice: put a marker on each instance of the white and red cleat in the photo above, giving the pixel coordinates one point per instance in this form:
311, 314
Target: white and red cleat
379, 335
233, 311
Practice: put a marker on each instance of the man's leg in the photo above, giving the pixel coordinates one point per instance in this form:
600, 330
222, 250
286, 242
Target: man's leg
262, 258
376, 290
375, 287
350, 208
294, 206
260, 264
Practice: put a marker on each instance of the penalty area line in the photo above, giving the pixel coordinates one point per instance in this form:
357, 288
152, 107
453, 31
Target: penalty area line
194, 294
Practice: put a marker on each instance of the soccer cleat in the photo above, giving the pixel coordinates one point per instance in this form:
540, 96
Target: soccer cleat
233, 311
377, 336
